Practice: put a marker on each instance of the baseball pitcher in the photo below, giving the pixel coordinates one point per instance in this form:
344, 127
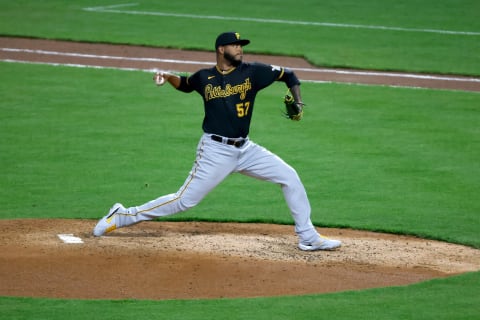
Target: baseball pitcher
228, 91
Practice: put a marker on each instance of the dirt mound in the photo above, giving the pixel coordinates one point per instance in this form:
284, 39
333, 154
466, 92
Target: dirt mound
167, 260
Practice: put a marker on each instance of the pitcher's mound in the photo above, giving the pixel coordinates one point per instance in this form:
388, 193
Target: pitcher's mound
181, 260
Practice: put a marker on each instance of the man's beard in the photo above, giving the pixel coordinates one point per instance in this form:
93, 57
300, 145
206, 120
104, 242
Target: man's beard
231, 59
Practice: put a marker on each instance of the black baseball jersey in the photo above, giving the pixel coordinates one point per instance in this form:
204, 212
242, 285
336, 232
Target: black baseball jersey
229, 97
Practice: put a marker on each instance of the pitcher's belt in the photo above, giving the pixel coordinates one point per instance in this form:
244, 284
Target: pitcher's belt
233, 142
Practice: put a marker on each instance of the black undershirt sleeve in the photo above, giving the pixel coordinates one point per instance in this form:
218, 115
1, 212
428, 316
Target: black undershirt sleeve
184, 85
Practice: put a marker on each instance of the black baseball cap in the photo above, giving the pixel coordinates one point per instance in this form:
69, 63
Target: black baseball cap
230, 38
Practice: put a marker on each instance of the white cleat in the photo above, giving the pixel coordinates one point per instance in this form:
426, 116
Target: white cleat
107, 223
323, 243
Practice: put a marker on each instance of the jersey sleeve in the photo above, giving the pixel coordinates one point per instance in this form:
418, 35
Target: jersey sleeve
266, 74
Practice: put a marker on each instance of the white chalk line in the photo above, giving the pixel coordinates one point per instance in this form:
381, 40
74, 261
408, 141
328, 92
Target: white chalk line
69, 238
94, 56
113, 9
75, 65
192, 62
156, 70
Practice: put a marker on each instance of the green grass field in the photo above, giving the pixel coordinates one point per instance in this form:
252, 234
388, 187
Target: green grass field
376, 158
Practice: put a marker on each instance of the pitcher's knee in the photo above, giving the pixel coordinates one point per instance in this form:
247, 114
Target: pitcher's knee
291, 177
186, 203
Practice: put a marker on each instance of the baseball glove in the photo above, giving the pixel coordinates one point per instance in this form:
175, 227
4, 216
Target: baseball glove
293, 110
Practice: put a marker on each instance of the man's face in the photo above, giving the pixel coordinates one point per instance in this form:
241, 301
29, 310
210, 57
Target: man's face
233, 53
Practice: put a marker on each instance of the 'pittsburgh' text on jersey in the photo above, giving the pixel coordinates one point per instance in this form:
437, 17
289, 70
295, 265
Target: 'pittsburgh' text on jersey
212, 92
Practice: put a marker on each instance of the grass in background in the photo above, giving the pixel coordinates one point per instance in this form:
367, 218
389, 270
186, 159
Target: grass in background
323, 45
379, 158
